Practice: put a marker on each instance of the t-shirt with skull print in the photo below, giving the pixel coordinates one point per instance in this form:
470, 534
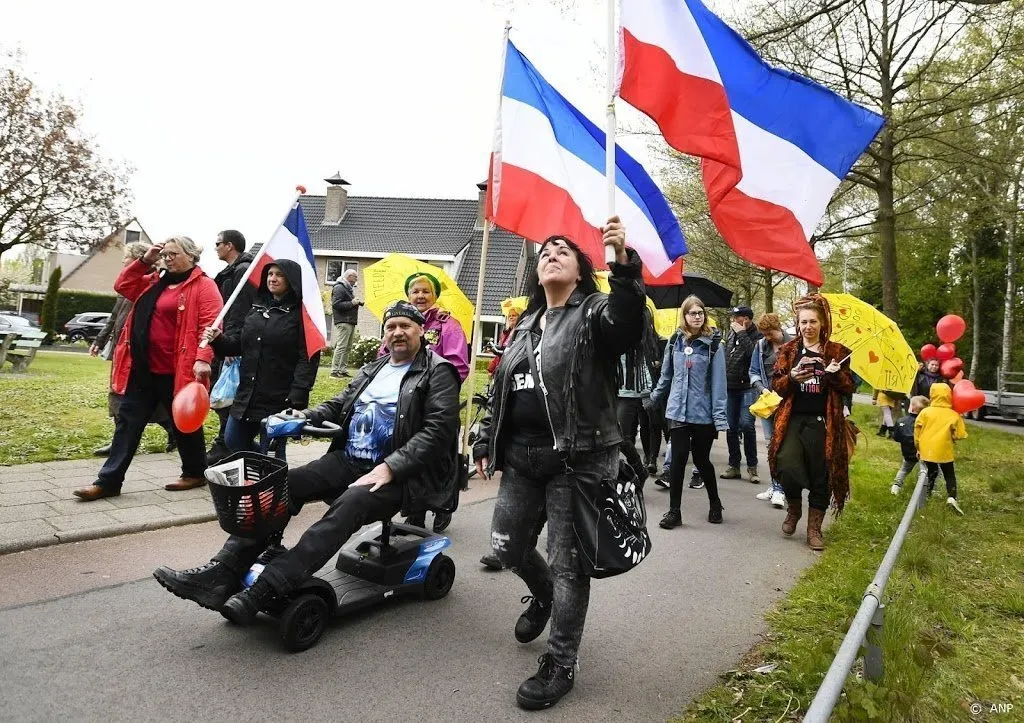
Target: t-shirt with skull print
372, 426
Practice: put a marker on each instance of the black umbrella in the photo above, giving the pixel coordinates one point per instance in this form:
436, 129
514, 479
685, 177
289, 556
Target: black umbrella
671, 297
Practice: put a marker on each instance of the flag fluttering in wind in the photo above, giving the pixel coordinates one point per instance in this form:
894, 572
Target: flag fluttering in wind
547, 175
291, 241
775, 145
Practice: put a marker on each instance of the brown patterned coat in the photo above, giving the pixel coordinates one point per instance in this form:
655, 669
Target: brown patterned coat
837, 385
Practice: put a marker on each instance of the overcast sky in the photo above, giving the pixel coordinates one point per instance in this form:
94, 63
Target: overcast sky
222, 107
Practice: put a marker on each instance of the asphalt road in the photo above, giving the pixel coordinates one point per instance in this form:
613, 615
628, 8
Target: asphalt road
86, 633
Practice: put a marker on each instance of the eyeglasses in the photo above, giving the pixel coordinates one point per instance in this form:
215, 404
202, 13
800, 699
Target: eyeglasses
168, 255
222, 243
695, 314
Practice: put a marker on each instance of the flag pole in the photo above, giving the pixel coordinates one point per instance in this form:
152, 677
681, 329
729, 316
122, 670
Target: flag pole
609, 141
478, 306
299, 191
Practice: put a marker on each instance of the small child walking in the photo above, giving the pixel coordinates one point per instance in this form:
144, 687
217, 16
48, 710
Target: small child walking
904, 434
935, 430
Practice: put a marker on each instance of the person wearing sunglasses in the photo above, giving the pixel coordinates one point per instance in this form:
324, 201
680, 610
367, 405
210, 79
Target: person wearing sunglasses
156, 355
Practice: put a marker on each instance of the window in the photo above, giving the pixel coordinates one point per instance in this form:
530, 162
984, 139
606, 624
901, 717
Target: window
336, 267
131, 237
490, 331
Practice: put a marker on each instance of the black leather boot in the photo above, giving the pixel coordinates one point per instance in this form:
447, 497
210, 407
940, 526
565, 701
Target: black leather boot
208, 585
242, 609
545, 688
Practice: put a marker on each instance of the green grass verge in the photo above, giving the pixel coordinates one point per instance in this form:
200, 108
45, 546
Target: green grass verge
954, 625
58, 409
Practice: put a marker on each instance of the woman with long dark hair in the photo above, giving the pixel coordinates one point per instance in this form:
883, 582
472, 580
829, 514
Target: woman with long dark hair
552, 426
693, 388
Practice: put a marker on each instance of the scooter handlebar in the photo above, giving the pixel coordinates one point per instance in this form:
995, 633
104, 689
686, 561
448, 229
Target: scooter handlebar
327, 429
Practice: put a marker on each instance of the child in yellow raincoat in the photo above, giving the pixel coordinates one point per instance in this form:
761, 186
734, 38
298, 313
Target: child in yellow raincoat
935, 430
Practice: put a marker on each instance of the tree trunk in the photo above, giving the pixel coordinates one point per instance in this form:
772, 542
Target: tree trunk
975, 311
769, 292
1005, 359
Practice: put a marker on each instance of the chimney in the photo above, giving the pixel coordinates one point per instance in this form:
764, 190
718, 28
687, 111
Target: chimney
337, 200
481, 211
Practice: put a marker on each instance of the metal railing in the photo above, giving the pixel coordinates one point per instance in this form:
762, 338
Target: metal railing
867, 623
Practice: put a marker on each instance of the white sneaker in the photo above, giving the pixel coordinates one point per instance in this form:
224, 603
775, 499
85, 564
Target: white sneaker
951, 501
895, 489
766, 495
778, 500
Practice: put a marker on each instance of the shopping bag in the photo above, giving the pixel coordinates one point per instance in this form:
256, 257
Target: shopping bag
223, 393
766, 404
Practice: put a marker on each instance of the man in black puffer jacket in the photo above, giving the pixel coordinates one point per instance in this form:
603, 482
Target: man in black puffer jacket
739, 347
230, 246
401, 417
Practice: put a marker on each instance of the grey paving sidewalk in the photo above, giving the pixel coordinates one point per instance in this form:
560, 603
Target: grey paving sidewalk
38, 509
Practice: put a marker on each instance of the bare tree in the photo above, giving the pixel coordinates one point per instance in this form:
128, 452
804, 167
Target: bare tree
55, 189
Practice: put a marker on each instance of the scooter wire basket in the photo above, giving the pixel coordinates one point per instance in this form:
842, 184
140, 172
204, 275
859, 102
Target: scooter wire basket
250, 494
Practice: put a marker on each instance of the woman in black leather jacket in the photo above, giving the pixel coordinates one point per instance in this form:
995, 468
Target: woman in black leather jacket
553, 422
275, 373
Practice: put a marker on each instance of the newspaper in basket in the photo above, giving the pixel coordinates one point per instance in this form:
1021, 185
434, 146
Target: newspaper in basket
250, 494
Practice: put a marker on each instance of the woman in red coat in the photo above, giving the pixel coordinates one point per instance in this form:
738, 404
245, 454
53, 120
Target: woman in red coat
156, 355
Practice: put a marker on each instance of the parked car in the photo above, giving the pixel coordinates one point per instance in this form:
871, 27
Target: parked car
13, 322
86, 326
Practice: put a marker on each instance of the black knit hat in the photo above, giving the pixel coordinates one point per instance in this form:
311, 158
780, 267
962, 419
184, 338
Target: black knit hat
403, 308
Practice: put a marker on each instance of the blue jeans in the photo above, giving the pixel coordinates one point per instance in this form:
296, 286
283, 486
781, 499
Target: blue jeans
537, 487
239, 435
768, 428
741, 423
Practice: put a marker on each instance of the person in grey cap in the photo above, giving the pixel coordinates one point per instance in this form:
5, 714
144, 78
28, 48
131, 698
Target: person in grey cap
401, 417
739, 346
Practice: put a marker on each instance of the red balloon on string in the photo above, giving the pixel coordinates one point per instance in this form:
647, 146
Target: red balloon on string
928, 352
966, 397
950, 327
190, 407
945, 352
951, 367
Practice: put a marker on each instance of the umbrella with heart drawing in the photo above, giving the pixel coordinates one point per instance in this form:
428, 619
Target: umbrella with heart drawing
881, 356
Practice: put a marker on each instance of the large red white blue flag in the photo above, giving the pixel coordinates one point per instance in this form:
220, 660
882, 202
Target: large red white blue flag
775, 145
548, 175
291, 241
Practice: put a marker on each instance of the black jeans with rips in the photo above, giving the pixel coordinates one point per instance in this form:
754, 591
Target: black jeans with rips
328, 479
800, 461
143, 395
695, 439
537, 487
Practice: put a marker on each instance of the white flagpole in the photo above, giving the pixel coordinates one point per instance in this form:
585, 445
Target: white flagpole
477, 309
299, 191
609, 142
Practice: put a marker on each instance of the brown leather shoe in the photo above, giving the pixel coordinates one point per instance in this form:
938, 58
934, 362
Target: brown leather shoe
94, 492
793, 515
185, 483
815, 541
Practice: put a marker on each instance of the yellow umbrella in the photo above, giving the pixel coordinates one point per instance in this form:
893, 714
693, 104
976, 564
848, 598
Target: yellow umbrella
880, 353
385, 283
516, 303
666, 321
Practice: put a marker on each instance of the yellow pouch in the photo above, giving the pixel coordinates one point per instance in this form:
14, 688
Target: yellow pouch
766, 404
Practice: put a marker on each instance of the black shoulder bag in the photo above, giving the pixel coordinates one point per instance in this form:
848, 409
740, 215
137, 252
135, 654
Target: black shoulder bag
609, 519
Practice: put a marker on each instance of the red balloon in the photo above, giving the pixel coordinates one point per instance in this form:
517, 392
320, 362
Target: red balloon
190, 406
928, 352
951, 367
945, 351
957, 378
966, 397
950, 327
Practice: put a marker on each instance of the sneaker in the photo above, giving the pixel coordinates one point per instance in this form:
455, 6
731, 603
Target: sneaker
895, 489
340, 375
730, 473
416, 520
491, 561
951, 501
696, 483
441, 521
672, 518
752, 475
217, 452
534, 619
208, 585
661, 482
652, 469
547, 686
766, 495
779, 499
715, 514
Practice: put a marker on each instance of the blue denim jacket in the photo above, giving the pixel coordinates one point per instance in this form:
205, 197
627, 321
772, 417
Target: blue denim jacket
760, 373
691, 396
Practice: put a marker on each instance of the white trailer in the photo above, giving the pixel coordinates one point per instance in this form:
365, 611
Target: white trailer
1007, 401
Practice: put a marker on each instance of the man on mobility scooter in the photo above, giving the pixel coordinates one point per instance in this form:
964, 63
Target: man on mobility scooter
401, 414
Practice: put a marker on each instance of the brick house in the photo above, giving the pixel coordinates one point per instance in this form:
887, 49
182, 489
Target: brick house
355, 231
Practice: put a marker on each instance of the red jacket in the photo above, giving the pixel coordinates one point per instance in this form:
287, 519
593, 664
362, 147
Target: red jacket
198, 305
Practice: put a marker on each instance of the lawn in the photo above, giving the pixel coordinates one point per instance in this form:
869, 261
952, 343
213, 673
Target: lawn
954, 627
58, 410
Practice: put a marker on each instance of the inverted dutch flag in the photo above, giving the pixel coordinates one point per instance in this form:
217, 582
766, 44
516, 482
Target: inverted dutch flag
547, 175
775, 145
291, 241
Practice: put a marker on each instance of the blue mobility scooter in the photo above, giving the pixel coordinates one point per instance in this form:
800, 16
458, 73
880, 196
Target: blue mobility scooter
386, 560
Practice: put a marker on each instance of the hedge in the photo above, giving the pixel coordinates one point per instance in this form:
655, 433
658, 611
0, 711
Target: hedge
72, 303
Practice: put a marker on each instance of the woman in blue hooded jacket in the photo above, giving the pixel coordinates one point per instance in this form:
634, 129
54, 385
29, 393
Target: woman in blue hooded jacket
692, 385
